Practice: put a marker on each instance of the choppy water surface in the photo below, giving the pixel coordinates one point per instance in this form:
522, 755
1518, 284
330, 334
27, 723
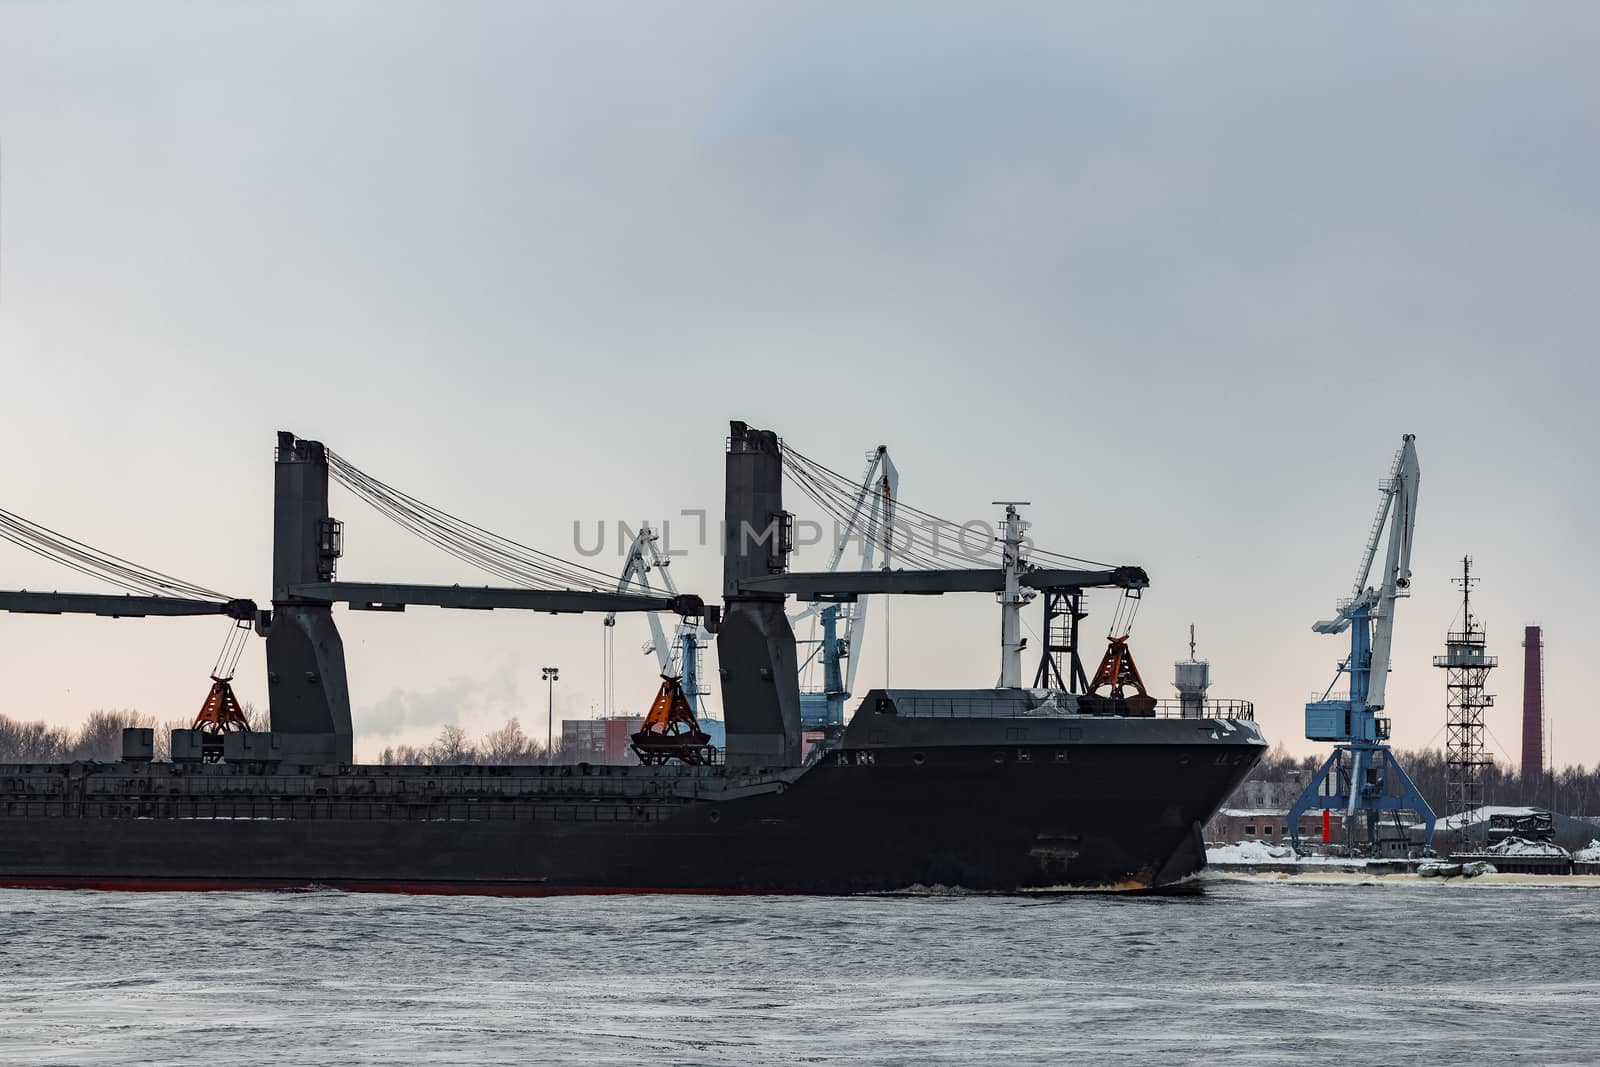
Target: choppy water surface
1247, 973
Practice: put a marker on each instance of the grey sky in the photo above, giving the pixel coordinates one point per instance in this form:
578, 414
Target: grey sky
1180, 275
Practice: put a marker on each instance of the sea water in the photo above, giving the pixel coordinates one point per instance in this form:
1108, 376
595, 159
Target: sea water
1239, 972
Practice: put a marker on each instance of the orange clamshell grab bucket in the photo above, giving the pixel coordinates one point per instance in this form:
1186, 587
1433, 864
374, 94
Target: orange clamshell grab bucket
221, 711
1118, 671
670, 730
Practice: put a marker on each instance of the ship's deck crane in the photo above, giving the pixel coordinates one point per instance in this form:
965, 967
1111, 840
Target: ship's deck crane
1362, 775
308, 688
148, 593
755, 642
302, 641
1004, 565
837, 629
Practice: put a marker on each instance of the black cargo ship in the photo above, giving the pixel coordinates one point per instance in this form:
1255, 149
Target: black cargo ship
912, 796
993, 790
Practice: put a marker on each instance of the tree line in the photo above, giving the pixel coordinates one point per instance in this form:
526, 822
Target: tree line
453, 746
98, 739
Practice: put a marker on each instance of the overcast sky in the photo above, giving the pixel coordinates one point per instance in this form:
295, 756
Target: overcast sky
1180, 275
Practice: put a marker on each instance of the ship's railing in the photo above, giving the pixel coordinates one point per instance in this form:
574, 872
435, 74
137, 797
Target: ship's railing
340, 810
1208, 709
1006, 707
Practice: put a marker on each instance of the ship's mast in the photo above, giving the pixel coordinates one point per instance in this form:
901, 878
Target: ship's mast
1012, 597
1192, 677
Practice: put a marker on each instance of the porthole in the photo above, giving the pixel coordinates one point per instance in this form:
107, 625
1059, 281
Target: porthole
715, 816
918, 758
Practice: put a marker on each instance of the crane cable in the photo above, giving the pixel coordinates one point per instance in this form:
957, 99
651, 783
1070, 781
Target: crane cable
94, 563
833, 492
843, 502
840, 503
233, 646
473, 544
839, 498
817, 480
1122, 618
126, 575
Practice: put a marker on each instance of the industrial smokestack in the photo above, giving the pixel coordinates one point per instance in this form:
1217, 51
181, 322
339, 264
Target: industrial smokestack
1532, 704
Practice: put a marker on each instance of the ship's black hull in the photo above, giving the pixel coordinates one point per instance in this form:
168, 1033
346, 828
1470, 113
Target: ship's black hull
985, 817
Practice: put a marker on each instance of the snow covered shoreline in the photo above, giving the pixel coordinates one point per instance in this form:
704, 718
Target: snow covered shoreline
1259, 852
1260, 861
1262, 853
1330, 876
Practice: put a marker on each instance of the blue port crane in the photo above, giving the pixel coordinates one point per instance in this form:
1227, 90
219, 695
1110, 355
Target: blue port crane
1362, 777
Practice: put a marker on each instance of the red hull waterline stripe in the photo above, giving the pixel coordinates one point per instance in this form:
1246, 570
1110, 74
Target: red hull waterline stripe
237, 885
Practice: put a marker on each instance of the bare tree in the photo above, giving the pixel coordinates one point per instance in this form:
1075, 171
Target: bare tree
33, 742
452, 747
260, 721
163, 737
508, 745
100, 737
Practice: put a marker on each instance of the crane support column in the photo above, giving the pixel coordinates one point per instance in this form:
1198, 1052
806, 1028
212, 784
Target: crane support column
755, 643
308, 687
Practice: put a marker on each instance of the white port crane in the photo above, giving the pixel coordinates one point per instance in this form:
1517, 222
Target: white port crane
837, 629
678, 658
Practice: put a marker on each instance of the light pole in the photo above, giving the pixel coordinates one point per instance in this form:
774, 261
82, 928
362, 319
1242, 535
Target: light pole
550, 676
